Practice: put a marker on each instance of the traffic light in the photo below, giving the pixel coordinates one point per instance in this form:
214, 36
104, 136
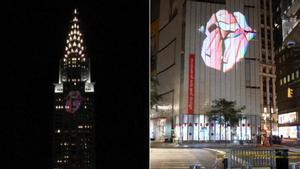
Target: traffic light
290, 92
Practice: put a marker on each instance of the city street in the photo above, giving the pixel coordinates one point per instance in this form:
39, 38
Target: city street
182, 158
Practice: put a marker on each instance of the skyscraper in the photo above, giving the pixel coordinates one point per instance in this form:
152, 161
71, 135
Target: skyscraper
210, 49
288, 68
74, 126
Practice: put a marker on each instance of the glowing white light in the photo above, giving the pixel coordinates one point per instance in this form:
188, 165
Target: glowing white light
265, 110
164, 107
75, 19
58, 131
201, 29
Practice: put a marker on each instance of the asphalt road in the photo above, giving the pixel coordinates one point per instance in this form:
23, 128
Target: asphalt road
173, 158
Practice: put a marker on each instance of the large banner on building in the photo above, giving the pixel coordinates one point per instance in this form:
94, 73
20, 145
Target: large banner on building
191, 84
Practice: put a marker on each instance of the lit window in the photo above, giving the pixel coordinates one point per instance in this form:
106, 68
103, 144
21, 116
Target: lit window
288, 78
290, 92
293, 76
284, 80
265, 110
280, 81
297, 74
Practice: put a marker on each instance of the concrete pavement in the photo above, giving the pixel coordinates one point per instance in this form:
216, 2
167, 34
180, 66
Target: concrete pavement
162, 158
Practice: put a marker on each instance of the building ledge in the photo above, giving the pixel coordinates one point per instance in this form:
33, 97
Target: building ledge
293, 8
293, 34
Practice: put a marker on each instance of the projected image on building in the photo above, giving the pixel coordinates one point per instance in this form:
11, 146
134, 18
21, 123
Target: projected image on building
73, 102
227, 39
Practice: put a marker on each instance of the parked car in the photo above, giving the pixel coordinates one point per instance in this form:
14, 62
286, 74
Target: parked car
276, 140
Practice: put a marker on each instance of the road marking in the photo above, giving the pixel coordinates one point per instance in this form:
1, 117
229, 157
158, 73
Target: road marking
221, 152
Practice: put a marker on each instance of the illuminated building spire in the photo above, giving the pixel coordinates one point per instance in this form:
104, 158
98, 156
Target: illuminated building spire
74, 43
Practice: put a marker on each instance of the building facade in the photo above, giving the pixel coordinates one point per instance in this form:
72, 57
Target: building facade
210, 49
288, 70
74, 126
267, 70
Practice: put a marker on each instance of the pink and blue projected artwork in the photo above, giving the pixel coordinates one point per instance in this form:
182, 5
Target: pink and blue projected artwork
227, 39
73, 102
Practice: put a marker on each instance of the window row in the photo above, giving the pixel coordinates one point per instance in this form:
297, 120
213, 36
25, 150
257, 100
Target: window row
290, 77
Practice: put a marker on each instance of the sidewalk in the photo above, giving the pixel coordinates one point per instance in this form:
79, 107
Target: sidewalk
201, 145
215, 145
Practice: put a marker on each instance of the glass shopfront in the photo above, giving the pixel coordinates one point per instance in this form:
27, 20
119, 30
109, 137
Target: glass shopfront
198, 128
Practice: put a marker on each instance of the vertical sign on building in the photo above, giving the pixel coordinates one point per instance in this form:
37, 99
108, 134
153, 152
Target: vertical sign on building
191, 84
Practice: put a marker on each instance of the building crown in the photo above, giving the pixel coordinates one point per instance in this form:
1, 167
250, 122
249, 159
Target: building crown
74, 43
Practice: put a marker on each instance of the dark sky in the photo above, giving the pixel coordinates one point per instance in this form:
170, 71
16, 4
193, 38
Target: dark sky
33, 36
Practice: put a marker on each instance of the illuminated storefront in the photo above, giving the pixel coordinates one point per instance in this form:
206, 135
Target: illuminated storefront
288, 131
288, 127
287, 118
202, 130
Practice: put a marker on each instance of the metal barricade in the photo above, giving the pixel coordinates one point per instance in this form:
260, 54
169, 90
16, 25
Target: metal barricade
240, 158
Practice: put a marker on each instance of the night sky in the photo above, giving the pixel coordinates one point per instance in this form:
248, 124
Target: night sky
33, 37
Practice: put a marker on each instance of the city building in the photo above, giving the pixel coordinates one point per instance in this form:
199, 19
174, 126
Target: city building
267, 70
210, 49
288, 70
74, 126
